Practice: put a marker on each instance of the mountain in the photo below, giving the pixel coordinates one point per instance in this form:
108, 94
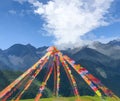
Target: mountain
21, 57
3, 81
4, 61
8, 76
102, 66
102, 60
111, 49
0, 50
114, 42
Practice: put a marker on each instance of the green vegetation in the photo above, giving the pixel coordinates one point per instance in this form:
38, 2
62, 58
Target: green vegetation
83, 98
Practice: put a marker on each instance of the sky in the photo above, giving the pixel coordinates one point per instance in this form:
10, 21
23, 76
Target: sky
64, 23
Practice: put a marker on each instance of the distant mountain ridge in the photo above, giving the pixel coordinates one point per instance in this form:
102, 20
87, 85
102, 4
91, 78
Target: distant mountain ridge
111, 49
102, 60
20, 57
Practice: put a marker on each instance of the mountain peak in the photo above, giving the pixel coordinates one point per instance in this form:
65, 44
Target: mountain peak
114, 42
0, 50
30, 47
20, 50
42, 48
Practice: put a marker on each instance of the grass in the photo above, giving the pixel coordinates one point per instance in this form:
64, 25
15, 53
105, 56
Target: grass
83, 98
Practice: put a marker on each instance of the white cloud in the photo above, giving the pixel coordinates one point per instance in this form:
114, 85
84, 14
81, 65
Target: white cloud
12, 11
105, 39
68, 20
90, 38
15, 60
20, 1
101, 72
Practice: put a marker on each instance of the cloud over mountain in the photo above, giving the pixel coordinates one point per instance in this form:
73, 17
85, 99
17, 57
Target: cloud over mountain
68, 20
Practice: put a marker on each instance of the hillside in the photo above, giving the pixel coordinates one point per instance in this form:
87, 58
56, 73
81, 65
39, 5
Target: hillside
18, 58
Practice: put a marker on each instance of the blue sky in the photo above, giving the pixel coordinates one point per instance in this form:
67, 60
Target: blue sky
19, 24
